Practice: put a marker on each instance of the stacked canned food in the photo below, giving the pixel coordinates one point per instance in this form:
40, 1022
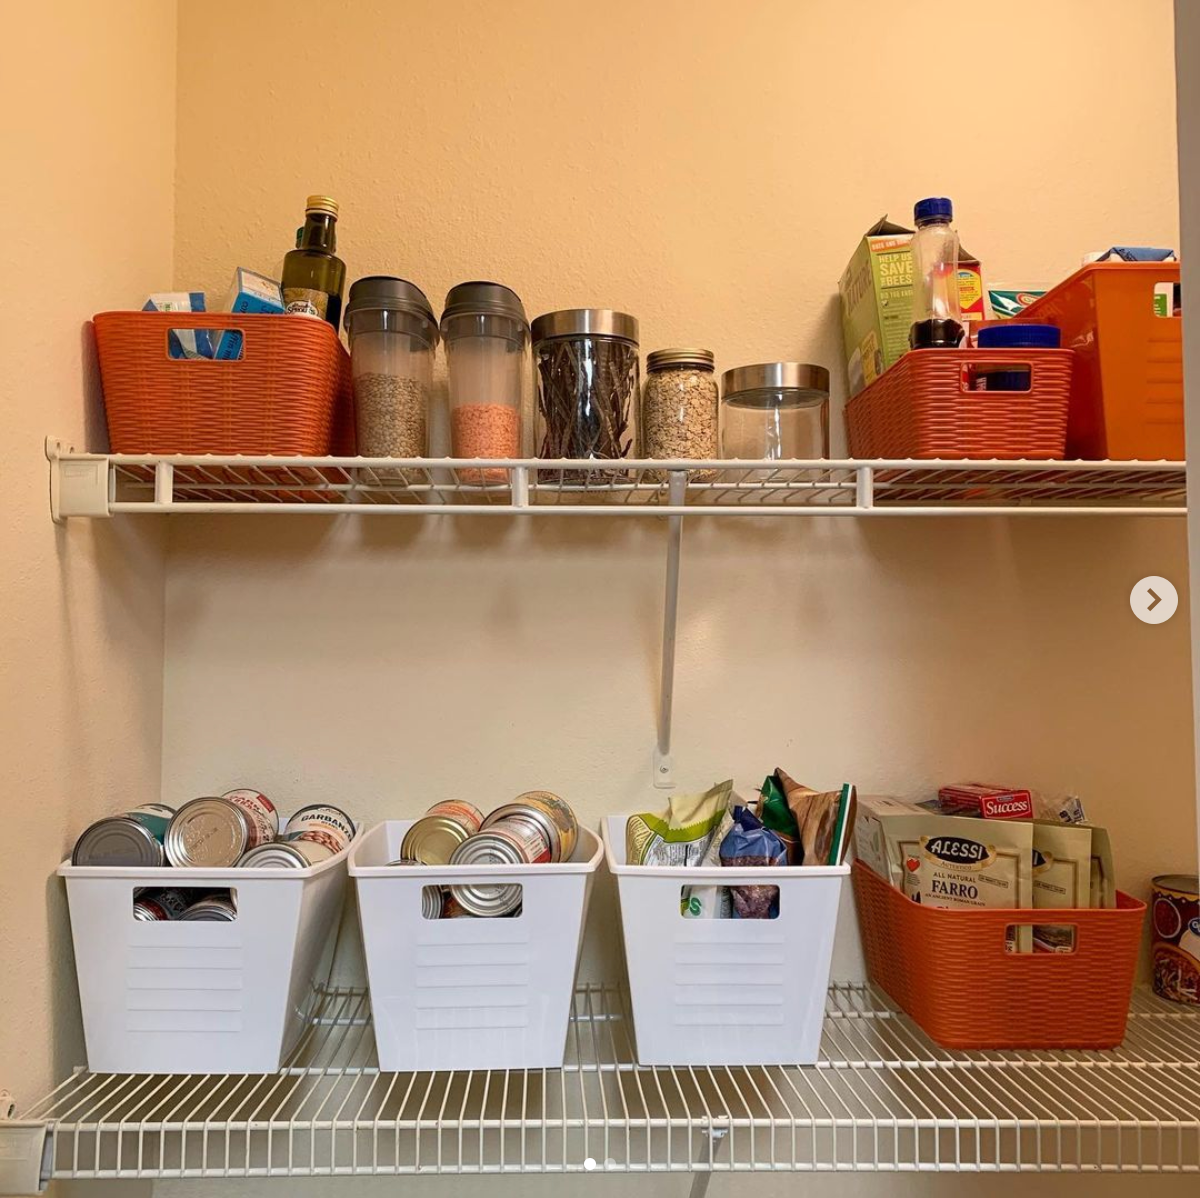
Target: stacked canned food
239, 828
154, 904
536, 827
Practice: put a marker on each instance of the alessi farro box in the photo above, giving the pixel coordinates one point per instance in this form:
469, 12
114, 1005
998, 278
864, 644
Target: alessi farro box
946, 860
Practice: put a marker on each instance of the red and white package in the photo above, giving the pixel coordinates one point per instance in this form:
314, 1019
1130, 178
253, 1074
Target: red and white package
987, 802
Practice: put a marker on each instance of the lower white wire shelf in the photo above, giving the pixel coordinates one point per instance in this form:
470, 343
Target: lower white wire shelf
883, 1097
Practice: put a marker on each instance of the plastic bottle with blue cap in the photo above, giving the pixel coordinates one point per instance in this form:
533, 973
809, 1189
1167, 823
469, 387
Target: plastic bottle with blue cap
937, 316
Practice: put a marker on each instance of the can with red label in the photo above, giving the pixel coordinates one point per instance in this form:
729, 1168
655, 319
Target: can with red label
434, 837
515, 840
1175, 907
261, 811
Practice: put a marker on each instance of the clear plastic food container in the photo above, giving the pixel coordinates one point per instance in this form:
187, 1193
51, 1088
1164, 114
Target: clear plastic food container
775, 410
487, 344
393, 336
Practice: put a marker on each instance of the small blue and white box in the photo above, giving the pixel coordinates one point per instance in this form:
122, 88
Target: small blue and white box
182, 343
252, 294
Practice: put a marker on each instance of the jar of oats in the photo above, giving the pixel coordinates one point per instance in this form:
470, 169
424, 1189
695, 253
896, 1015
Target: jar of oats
679, 405
393, 336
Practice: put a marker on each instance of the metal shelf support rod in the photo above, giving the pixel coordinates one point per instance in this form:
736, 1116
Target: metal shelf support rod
676, 490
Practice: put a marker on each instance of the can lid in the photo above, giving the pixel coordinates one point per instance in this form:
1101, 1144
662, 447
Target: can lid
586, 322
277, 855
1187, 883
794, 376
483, 299
208, 832
660, 359
385, 293
1016, 335
433, 839
117, 840
933, 208
488, 848
210, 910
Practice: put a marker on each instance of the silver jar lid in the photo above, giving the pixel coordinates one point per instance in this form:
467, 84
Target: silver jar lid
586, 322
796, 376
208, 832
483, 299
700, 359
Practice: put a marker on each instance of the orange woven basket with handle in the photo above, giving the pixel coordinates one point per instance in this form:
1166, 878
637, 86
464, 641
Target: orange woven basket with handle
952, 972
289, 394
927, 406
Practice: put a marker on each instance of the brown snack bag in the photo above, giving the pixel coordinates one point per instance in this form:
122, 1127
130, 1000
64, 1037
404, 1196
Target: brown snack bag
816, 815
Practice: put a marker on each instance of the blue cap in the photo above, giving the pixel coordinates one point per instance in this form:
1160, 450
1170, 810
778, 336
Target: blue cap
934, 208
1015, 335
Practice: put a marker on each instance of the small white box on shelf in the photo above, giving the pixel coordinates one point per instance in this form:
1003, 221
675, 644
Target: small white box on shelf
470, 993
725, 991
178, 996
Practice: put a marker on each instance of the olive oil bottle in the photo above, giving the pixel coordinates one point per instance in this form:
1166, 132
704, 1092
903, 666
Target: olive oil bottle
314, 277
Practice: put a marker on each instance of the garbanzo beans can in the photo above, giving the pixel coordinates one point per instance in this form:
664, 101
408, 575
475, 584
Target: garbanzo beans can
1175, 907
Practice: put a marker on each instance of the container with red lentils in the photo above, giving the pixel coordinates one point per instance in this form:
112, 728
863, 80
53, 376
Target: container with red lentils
487, 353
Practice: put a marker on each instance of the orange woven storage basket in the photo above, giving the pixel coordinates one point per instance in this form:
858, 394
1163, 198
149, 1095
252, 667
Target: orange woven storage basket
925, 406
951, 970
290, 393
1127, 392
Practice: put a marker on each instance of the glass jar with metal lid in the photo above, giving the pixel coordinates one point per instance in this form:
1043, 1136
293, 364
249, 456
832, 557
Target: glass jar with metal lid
587, 383
487, 343
393, 336
775, 410
680, 408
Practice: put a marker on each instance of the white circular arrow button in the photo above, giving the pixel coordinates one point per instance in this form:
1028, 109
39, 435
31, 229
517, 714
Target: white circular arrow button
1154, 600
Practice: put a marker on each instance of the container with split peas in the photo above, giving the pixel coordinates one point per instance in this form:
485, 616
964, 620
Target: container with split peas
487, 351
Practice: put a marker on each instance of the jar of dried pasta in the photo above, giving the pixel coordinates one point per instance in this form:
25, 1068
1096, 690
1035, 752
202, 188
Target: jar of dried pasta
679, 418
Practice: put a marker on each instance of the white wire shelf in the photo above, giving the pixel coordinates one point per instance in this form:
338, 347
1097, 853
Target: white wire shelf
112, 484
883, 1097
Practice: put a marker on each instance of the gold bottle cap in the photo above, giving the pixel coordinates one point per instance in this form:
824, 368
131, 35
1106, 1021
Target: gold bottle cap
322, 204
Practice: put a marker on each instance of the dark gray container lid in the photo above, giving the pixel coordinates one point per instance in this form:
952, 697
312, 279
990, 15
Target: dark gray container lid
483, 299
586, 322
383, 293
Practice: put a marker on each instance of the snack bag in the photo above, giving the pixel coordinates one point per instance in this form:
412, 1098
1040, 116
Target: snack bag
816, 814
710, 902
748, 843
775, 814
681, 834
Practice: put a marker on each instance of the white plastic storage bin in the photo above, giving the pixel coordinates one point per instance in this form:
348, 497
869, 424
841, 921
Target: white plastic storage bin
199, 997
725, 991
470, 993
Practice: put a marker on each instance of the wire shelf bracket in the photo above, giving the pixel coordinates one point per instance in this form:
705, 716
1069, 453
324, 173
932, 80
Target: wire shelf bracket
25, 1151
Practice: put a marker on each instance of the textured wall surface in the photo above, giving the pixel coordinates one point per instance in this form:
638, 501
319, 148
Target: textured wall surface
89, 150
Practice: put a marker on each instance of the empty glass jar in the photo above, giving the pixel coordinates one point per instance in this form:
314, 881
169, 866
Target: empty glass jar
392, 340
487, 343
775, 410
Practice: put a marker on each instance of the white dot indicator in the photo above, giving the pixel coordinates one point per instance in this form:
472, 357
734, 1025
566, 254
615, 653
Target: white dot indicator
590, 1163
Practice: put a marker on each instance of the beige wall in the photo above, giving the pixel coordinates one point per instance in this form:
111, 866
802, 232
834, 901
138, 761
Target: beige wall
710, 169
88, 146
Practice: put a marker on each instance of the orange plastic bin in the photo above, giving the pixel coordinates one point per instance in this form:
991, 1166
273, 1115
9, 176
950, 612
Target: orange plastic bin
1127, 387
952, 972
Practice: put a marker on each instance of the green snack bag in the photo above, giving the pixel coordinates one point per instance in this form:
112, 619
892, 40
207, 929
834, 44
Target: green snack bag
776, 815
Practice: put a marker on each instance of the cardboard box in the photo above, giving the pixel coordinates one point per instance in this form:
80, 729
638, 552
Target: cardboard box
876, 291
990, 802
249, 292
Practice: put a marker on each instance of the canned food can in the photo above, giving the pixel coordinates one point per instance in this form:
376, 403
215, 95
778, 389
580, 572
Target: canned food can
552, 813
511, 841
170, 899
213, 909
131, 838
261, 810
432, 839
433, 902
1175, 904
453, 909
148, 910
294, 854
323, 823
209, 832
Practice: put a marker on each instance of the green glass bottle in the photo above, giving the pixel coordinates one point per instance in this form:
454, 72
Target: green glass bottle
314, 277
